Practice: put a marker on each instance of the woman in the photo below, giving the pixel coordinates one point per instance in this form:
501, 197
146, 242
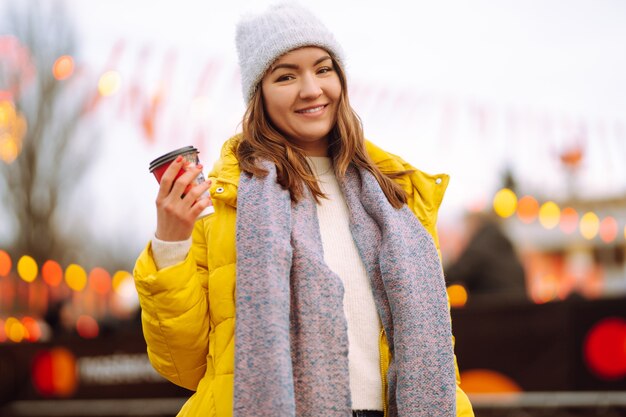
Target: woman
340, 300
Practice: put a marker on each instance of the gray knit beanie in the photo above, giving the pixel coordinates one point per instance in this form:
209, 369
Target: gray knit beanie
264, 37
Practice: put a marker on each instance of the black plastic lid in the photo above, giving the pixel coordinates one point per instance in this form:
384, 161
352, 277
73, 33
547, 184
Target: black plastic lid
171, 155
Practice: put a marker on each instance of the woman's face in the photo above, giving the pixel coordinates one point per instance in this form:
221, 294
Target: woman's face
301, 93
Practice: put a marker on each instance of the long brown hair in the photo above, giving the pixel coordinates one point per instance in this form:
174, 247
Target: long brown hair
262, 141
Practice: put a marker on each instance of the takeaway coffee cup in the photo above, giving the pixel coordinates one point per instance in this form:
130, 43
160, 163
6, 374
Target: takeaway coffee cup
189, 154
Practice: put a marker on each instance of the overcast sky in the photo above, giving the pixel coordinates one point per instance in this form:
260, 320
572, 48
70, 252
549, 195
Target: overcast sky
465, 88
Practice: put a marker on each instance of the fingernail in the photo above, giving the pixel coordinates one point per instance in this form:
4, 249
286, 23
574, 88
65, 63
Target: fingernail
200, 166
179, 158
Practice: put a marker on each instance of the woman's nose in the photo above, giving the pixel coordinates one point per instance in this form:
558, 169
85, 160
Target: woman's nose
310, 87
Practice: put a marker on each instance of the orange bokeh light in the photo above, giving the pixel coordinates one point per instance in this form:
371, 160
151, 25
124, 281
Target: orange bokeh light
5, 264
608, 229
483, 381
52, 273
63, 67
3, 333
100, 281
33, 331
54, 373
527, 209
87, 327
457, 294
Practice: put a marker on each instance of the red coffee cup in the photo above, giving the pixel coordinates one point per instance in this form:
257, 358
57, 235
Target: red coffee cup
189, 154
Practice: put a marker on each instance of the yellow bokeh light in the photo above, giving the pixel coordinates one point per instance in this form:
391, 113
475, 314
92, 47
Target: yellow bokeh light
505, 203
109, 83
457, 294
75, 277
14, 329
63, 67
589, 225
549, 214
27, 268
118, 278
7, 113
9, 150
12, 130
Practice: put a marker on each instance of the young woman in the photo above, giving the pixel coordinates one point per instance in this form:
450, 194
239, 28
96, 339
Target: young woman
315, 288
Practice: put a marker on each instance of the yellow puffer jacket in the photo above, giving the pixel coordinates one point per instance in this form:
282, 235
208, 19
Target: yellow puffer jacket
188, 309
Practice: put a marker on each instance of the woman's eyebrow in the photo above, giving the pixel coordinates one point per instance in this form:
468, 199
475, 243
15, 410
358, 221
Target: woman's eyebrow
295, 67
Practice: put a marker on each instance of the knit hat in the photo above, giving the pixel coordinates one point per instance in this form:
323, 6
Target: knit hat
264, 37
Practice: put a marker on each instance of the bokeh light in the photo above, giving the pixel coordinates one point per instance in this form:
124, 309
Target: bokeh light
569, 220
5, 263
527, 209
119, 277
605, 348
589, 225
7, 113
12, 130
54, 373
9, 150
608, 229
63, 67
100, 281
457, 294
484, 381
33, 330
3, 333
505, 203
52, 273
75, 277
549, 214
14, 330
109, 83
27, 268
548, 291
87, 327
126, 293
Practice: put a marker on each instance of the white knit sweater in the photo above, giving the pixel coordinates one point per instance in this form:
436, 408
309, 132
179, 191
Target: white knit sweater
342, 257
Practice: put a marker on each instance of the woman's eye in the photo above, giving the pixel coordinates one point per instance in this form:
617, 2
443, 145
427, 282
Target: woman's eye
324, 70
284, 78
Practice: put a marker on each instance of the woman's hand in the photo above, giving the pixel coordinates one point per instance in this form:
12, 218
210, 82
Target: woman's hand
176, 215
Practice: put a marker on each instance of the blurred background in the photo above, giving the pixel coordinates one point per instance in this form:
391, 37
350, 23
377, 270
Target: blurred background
523, 103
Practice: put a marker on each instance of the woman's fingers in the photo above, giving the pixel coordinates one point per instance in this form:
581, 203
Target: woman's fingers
199, 205
181, 184
169, 176
192, 196
176, 216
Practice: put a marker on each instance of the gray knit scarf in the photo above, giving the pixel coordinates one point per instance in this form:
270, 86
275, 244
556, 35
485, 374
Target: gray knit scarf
291, 342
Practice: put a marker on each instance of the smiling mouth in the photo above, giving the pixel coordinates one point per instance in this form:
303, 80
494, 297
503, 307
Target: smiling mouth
312, 109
